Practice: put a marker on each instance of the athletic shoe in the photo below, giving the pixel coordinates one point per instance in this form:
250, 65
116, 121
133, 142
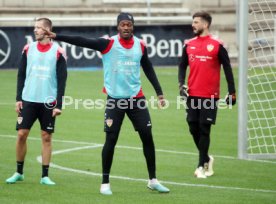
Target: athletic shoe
210, 170
156, 186
105, 189
199, 172
47, 181
15, 177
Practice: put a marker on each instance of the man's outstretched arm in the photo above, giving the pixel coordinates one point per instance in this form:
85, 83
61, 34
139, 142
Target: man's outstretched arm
99, 44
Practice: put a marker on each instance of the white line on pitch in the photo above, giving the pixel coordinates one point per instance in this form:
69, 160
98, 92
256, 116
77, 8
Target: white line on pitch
142, 180
139, 148
7, 104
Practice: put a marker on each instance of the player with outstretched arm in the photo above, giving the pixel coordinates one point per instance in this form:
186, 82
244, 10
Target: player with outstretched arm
122, 56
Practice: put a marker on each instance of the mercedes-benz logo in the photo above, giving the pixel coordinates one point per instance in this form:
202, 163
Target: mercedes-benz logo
5, 47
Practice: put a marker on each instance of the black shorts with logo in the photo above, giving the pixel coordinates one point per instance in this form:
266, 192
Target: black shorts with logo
32, 111
202, 110
135, 108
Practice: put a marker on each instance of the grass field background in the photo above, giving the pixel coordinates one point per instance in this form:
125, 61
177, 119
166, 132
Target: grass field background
77, 145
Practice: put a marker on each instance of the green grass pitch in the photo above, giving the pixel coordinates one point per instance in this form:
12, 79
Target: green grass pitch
77, 144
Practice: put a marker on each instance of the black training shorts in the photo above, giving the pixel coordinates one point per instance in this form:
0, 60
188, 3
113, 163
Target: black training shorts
202, 110
32, 111
135, 108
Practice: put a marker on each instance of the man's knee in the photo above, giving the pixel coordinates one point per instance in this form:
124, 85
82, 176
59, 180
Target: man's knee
205, 129
146, 136
46, 137
112, 137
22, 135
194, 128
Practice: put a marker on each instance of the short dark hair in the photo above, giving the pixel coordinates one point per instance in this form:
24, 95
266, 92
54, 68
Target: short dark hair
205, 16
46, 21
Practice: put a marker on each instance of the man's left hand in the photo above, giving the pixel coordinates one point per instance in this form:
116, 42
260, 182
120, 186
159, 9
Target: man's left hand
56, 112
231, 99
161, 101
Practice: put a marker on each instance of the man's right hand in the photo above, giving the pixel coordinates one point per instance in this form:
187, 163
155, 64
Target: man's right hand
18, 106
49, 33
183, 91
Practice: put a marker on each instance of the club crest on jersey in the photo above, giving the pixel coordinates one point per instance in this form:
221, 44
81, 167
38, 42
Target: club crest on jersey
210, 47
19, 120
109, 122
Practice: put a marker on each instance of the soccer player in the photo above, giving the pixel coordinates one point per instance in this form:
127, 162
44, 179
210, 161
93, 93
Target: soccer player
41, 82
123, 54
204, 54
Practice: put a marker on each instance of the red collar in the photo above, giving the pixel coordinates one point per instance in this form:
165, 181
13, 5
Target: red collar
44, 47
126, 43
